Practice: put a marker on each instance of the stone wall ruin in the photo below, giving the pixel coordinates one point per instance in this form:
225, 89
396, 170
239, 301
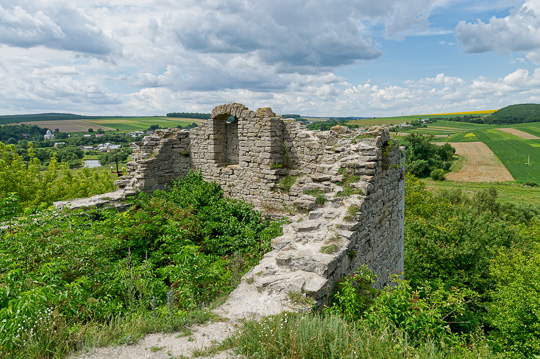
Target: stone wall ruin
342, 191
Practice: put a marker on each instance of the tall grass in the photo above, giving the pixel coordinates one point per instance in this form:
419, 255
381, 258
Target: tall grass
295, 336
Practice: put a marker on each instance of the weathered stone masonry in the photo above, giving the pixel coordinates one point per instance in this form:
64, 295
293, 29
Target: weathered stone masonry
343, 192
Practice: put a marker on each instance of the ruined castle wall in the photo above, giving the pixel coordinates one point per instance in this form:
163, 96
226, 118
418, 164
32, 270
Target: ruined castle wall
343, 192
254, 173
160, 159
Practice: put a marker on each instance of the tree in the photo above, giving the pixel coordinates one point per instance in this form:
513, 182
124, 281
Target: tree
422, 157
514, 312
35, 188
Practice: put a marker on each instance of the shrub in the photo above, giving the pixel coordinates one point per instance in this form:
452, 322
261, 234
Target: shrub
437, 174
422, 314
354, 294
514, 311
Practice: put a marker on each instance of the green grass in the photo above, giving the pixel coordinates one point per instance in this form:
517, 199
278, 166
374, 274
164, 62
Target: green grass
450, 128
142, 123
90, 157
508, 192
530, 127
291, 335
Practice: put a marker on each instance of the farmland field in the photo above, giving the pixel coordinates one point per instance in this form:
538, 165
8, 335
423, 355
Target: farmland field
68, 125
142, 123
519, 133
395, 120
507, 144
481, 164
514, 153
113, 123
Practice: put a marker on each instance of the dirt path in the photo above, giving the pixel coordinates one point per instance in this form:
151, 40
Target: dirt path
481, 164
167, 346
519, 133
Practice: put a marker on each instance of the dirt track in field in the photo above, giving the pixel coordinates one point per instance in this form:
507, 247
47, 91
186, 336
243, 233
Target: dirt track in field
481, 164
522, 134
68, 125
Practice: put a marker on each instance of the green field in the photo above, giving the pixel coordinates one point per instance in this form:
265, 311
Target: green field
509, 192
530, 127
513, 152
142, 123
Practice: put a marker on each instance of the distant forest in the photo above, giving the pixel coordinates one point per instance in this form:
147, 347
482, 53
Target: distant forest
202, 116
507, 115
515, 114
6, 119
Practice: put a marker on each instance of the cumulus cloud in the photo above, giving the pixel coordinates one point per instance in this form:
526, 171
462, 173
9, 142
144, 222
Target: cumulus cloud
294, 35
212, 45
281, 53
45, 87
54, 25
327, 94
519, 31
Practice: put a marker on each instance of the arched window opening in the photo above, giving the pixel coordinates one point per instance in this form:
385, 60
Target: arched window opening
232, 146
226, 143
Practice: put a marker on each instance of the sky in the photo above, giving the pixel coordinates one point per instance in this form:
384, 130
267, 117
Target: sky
361, 58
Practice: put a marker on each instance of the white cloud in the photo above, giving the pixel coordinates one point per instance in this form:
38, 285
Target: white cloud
519, 31
31, 23
164, 57
27, 81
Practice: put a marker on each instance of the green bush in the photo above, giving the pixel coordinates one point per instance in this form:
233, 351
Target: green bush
423, 157
172, 251
514, 309
422, 314
354, 294
437, 174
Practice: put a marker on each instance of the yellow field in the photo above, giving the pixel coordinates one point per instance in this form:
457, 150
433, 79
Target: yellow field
484, 112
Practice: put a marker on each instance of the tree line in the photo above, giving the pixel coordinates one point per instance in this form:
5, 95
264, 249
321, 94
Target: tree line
512, 114
196, 115
11, 134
